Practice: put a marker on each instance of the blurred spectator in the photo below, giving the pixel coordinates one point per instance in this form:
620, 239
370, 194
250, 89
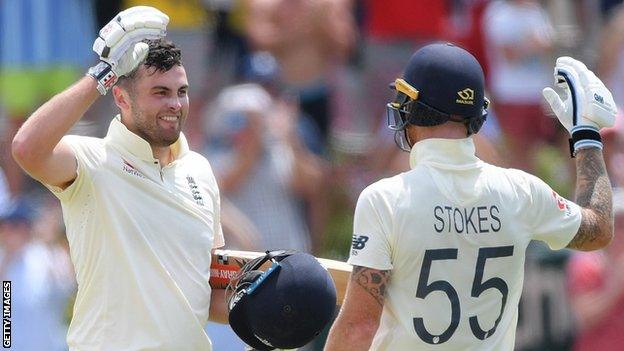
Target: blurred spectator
392, 30
41, 278
545, 317
44, 47
189, 29
606, 6
238, 231
519, 37
262, 68
261, 164
309, 38
611, 55
467, 20
613, 140
229, 42
596, 287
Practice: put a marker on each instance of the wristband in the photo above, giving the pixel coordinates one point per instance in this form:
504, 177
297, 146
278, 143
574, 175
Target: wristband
584, 137
104, 75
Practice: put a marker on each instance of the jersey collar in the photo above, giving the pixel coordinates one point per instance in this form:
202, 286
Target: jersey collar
445, 153
119, 135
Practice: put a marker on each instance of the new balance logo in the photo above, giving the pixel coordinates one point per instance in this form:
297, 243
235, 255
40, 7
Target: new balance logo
359, 242
598, 98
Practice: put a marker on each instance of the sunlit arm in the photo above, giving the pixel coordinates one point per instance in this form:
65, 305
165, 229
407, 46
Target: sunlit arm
218, 306
36, 146
594, 195
358, 319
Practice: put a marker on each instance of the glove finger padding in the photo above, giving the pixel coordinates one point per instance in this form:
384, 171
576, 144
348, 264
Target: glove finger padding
140, 20
577, 68
130, 60
569, 81
137, 14
558, 106
137, 35
109, 35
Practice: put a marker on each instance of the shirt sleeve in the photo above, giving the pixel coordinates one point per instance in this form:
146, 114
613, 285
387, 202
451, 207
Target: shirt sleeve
86, 162
370, 246
554, 219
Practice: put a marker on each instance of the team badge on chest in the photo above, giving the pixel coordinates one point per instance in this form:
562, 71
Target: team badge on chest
195, 190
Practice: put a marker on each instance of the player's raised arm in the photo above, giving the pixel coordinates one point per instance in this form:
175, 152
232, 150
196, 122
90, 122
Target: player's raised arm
37, 146
588, 107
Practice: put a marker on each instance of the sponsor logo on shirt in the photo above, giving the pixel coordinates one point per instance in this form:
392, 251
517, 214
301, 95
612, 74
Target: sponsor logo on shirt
130, 169
195, 190
562, 203
357, 243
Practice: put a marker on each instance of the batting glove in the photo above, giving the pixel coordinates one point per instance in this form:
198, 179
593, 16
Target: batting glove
119, 43
588, 104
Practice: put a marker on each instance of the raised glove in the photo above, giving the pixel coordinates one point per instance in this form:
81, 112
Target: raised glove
588, 104
119, 43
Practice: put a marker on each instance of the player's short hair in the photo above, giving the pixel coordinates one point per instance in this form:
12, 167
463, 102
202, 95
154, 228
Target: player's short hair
428, 115
162, 56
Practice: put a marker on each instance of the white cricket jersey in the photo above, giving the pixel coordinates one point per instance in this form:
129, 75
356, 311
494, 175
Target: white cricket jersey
140, 239
453, 231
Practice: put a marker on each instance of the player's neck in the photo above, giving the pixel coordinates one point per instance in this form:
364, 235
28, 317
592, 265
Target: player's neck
443, 131
163, 154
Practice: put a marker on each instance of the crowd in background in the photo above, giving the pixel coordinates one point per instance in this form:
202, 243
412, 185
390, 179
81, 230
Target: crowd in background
288, 104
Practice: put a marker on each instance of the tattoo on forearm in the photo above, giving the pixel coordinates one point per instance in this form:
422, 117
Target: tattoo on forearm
593, 191
372, 280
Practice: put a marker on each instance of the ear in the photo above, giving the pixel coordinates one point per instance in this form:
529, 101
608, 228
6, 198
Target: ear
121, 97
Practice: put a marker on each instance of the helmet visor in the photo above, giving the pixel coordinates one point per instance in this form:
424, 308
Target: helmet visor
397, 122
397, 112
396, 115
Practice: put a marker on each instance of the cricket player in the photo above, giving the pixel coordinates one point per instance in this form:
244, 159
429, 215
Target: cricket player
141, 209
438, 251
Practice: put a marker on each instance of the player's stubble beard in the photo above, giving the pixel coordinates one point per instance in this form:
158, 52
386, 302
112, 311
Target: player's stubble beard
148, 128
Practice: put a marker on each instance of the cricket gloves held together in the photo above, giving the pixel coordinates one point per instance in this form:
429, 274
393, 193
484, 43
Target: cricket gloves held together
119, 43
587, 106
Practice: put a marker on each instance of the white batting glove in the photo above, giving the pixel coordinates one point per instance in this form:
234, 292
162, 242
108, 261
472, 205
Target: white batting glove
119, 43
588, 104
